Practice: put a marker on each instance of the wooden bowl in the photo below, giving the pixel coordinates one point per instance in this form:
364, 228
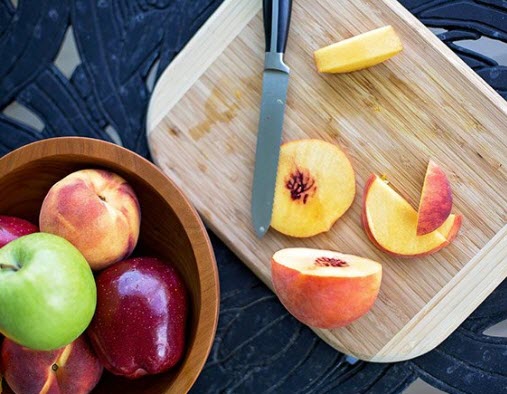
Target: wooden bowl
170, 229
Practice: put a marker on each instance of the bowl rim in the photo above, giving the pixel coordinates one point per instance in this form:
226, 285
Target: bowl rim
92, 148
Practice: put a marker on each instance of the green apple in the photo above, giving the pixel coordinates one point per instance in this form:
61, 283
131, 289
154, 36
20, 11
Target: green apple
48, 293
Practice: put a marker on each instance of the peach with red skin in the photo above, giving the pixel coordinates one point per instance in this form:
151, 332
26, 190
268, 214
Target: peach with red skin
315, 186
332, 298
97, 211
72, 369
446, 233
436, 200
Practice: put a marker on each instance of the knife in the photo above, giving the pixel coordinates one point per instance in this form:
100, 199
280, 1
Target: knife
275, 81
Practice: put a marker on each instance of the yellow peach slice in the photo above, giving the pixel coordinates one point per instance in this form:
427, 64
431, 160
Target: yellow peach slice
359, 52
315, 186
391, 223
436, 200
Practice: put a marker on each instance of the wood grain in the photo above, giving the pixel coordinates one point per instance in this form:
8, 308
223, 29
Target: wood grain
390, 119
170, 229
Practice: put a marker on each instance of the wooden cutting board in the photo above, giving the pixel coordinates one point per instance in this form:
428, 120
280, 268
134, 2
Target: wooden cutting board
425, 103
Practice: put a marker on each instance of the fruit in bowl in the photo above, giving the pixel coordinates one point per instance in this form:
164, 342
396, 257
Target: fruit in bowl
97, 211
139, 325
48, 292
391, 223
12, 228
71, 369
170, 229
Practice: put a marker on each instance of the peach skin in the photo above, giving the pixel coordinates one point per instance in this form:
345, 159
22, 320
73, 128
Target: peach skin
97, 211
315, 186
436, 200
390, 223
72, 369
325, 289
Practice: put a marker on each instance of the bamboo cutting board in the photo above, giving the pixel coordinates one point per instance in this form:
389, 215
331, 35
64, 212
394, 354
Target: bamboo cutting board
390, 119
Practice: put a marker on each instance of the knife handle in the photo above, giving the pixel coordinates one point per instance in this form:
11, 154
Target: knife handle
276, 24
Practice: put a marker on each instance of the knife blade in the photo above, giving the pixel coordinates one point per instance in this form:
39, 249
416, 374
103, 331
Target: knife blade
275, 82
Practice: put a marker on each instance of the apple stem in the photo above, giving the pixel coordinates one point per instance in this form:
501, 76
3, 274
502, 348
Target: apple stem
9, 266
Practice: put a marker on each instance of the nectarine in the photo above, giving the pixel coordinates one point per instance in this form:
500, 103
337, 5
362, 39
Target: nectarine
97, 211
72, 369
436, 200
315, 186
325, 289
391, 223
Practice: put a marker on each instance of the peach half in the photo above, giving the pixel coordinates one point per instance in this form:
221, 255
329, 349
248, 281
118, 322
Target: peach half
95, 210
325, 289
391, 223
315, 186
359, 52
72, 369
436, 200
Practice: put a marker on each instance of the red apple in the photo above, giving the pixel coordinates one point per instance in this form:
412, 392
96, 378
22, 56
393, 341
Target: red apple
72, 369
12, 227
139, 324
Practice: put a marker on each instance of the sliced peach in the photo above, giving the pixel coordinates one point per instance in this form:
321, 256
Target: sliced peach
359, 52
325, 289
436, 200
391, 223
315, 186
95, 210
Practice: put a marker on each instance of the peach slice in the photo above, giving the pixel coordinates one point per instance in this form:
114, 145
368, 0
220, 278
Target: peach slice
436, 200
359, 52
315, 186
325, 289
391, 223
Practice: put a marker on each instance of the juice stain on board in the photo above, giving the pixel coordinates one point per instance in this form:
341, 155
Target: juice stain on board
218, 108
